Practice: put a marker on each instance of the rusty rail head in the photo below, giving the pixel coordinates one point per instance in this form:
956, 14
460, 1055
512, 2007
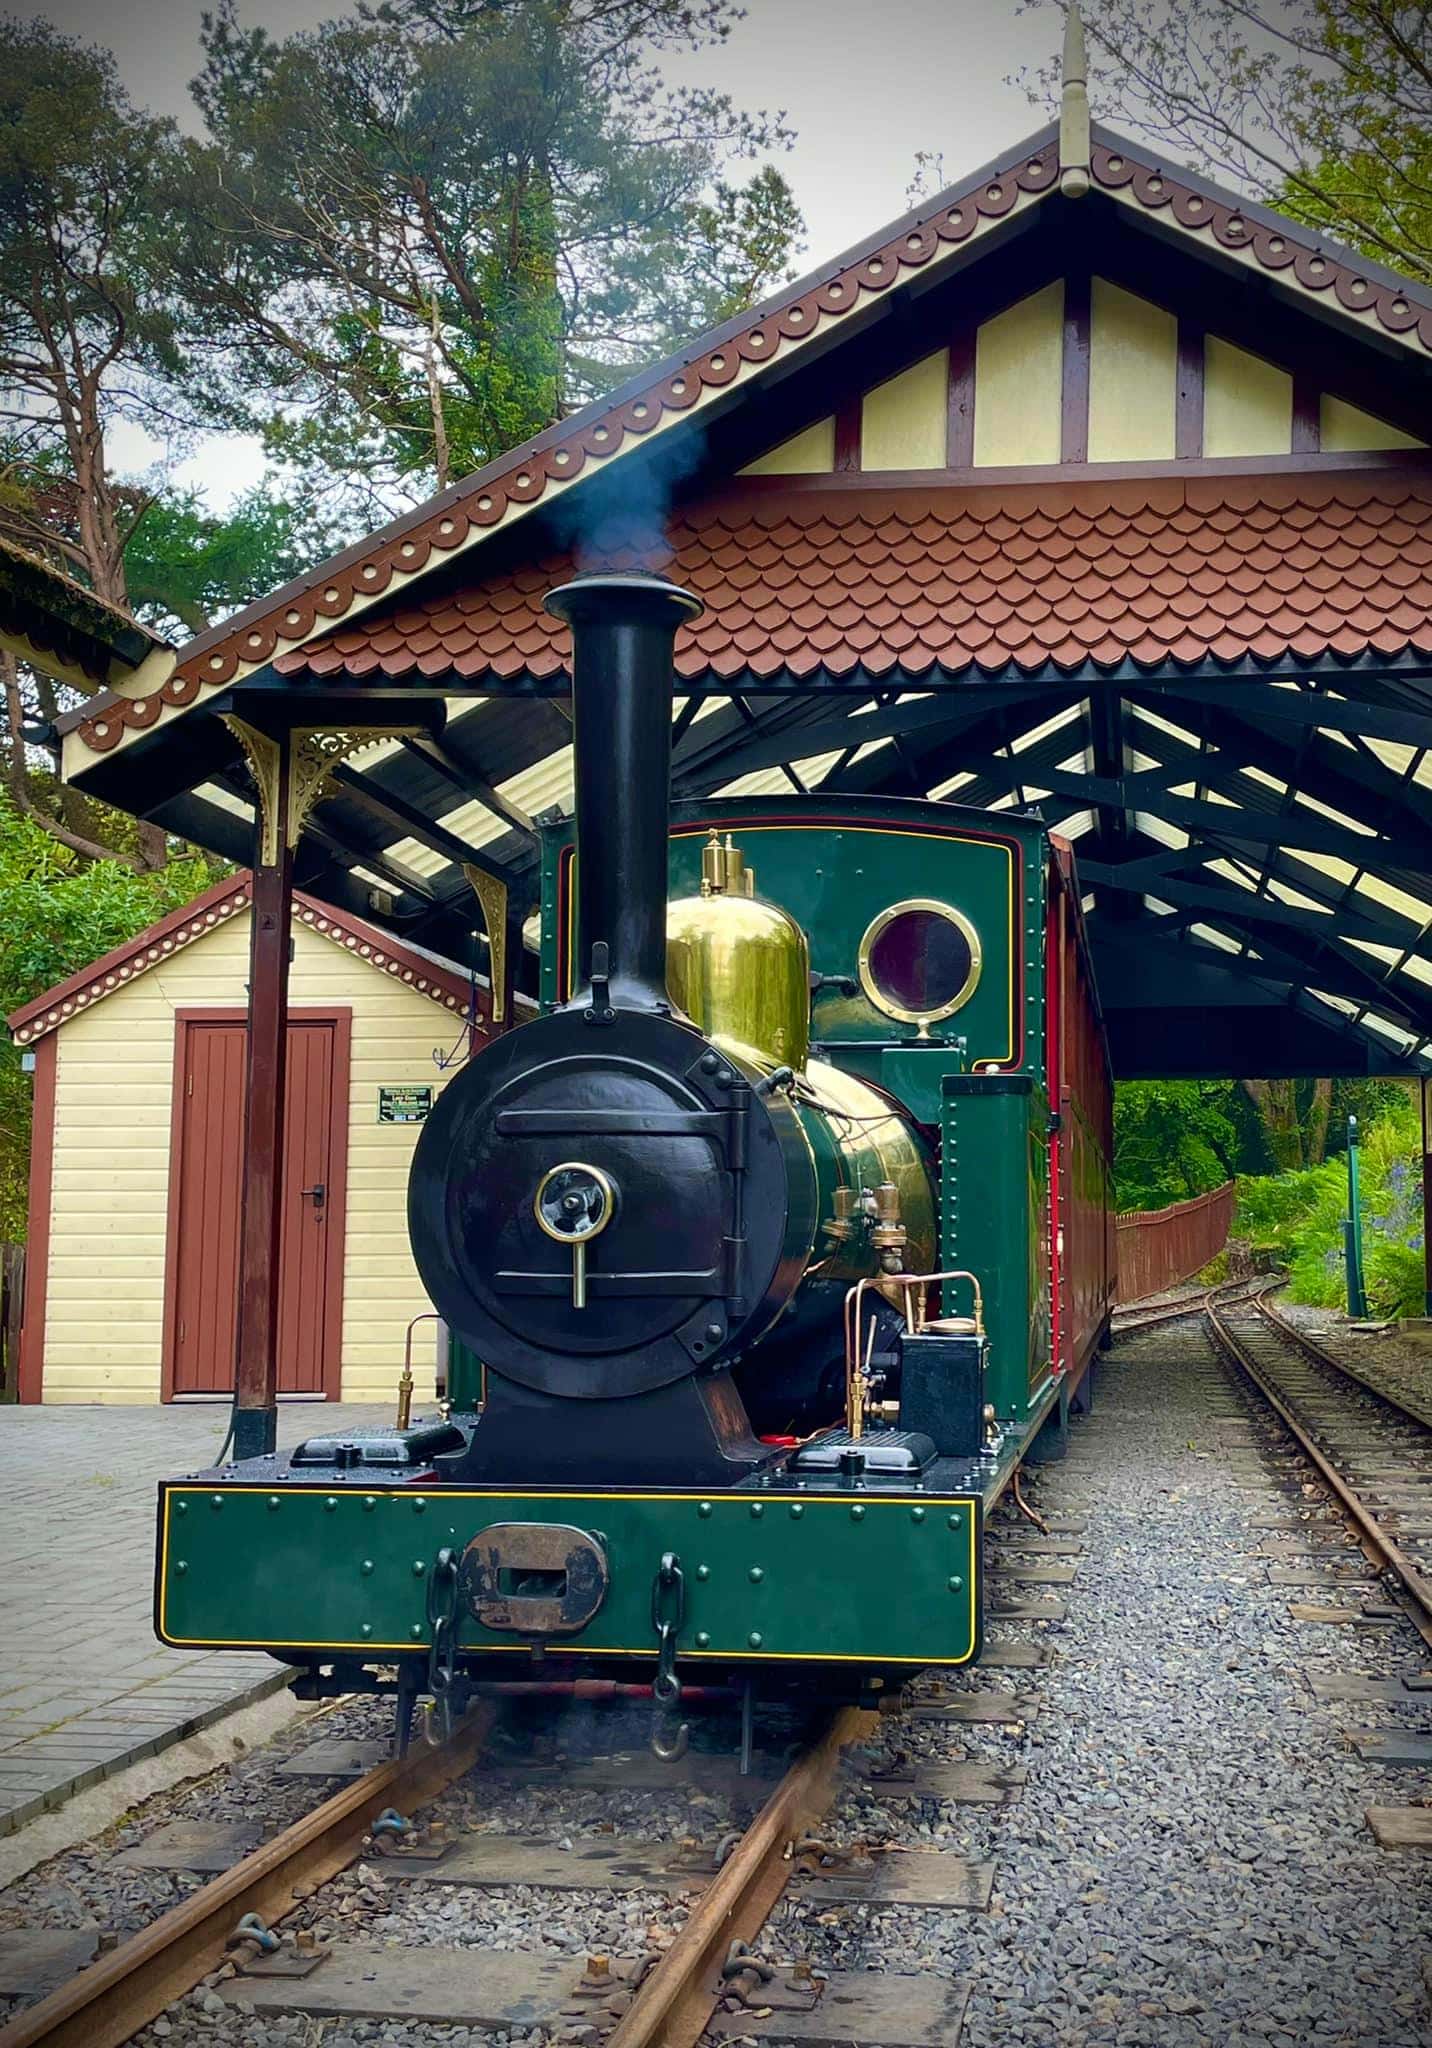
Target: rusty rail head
1381, 1548
108, 2003
674, 2006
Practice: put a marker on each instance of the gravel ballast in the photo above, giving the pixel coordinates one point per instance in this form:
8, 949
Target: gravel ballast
1187, 1864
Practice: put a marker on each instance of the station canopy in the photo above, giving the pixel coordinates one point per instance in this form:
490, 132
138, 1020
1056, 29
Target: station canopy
1086, 487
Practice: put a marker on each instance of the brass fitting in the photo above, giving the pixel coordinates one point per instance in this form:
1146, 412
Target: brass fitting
723, 868
888, 1234
840, 1227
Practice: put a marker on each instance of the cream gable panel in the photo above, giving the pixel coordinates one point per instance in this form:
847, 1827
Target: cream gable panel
1247, 403
110, 1188
903, 421
811, 453
1133, 377
1018, 376
1347, 430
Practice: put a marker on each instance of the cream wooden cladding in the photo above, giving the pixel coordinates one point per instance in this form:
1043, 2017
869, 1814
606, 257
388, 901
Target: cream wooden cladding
1133, 385
1133, 377
105, 1307
1018, 382
903, 421
1247, 403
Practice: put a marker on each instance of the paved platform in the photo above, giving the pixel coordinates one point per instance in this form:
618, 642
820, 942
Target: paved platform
84, 1687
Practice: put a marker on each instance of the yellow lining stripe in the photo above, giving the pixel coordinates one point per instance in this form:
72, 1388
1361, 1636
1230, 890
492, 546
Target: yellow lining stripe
949, 1502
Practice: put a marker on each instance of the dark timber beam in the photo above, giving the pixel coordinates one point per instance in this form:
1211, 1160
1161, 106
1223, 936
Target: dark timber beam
1357, 716
1336, 776
925, 718
463, 777
407, 881
1289, 957
770, 733
418, 825
1242, 907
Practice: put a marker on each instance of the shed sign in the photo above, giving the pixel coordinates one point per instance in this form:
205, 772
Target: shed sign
409, 1105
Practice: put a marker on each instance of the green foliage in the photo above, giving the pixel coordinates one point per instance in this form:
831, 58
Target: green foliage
86, 316
1362, 127
1172, 1139
61, 912
185, 563
1324, 107
1300, 1215
413, 238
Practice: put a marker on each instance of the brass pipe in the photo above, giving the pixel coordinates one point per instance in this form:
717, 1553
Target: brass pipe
405, 1383
910, 1287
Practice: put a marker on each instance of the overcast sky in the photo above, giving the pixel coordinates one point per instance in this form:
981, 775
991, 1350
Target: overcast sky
865, 84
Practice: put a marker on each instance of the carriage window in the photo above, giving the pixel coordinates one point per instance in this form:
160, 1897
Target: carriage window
920, 961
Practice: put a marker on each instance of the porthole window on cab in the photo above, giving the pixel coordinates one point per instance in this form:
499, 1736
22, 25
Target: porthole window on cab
920, 961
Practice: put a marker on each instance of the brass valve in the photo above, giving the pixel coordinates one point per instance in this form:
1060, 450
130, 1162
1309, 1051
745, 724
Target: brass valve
840, 1227
723, 868
888, 1234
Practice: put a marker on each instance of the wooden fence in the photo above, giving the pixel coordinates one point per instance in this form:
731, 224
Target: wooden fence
12, 1302
1159, 1248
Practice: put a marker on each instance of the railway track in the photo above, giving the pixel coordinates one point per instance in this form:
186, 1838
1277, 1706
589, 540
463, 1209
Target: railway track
1373, 1453
664, 2000
107, 2003
1143, 1315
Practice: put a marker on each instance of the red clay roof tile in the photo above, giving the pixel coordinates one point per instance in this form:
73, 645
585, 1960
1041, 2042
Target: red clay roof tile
991, 577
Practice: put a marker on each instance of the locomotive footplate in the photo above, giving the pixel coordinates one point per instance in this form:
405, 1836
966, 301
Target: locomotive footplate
807, 1570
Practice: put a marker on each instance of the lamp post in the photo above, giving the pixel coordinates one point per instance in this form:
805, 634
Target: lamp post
1352, 1232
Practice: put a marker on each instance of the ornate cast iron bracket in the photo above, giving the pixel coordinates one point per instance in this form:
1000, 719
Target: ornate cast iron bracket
492, 895
314, 752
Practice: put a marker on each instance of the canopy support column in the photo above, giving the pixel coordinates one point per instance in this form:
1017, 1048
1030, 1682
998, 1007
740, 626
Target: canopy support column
293, 770
265, 1076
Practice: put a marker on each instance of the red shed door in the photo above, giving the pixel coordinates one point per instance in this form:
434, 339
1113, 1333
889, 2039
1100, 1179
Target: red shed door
206, 1167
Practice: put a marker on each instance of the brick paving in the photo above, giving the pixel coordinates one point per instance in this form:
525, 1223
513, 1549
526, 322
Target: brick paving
85, 1688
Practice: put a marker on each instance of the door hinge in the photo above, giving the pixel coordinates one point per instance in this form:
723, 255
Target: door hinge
188, 1084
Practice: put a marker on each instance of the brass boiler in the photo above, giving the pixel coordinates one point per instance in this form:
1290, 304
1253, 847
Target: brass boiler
740, 969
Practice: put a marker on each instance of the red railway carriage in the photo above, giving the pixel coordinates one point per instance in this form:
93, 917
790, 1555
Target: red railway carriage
1081, 1146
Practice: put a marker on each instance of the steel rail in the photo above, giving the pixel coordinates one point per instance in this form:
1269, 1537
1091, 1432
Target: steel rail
1136, 1318
1383, 1549
106, 2004
675, 2004
1311, 1347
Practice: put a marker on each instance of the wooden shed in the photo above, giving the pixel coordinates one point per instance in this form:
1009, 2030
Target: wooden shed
138, 1139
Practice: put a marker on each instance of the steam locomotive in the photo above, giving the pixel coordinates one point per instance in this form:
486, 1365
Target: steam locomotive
769, 1250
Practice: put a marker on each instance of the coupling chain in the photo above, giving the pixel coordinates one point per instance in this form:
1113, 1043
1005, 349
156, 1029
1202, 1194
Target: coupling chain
668, 1612
443, 1622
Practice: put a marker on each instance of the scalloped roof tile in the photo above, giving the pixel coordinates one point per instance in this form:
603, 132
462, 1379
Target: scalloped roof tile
1360, 293
1248, 572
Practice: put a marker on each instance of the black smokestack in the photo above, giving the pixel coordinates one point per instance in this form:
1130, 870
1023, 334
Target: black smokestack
623, 634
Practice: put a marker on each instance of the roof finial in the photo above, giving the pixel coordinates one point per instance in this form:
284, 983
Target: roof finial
1074, 109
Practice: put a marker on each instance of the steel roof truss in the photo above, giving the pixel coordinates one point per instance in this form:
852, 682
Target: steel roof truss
463, 777
396, 809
